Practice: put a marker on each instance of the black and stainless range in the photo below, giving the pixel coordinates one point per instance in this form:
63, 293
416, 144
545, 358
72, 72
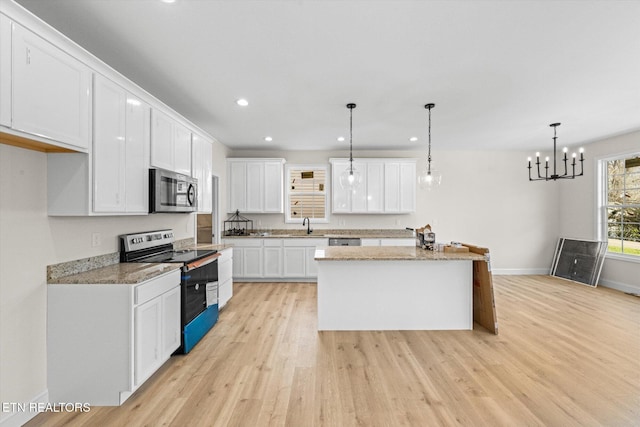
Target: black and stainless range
199, 279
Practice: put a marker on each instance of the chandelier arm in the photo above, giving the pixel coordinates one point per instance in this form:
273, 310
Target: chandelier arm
581, 165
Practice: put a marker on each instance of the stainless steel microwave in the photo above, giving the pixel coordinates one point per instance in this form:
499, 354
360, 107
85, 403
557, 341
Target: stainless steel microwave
172, 192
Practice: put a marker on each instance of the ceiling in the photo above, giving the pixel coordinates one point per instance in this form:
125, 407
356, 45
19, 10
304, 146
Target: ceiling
499, 72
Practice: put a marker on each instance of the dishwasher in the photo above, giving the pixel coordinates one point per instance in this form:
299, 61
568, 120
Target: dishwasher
344, 241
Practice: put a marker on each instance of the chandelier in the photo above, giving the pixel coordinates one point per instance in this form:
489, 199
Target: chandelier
554, 176
350, 178
429, 178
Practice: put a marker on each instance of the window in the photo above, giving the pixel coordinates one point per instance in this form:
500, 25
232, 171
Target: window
621, 204
306, 193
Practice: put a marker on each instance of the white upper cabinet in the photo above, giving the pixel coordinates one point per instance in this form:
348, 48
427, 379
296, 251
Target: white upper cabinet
120, 150
273, 187
99, 145
170, 144
408, 186
340, 197
51, 91
387, 186
375, 187
109, 157
161, 140
255, 185
114, 178
202, 165
237, 186
5, 71
137, 138
181, 149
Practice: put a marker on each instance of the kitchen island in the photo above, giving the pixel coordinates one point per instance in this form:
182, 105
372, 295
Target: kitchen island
394, 288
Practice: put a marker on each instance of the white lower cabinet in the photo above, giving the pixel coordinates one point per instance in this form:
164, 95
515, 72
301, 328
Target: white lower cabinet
225, 276
148, 339
238, 263
310, 264
104, 341
286, 258
252, 262
294, 262
171, 322
272, 254
157, 333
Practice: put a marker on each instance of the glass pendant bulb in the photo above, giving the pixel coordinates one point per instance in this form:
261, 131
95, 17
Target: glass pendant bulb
350, 178
429, 179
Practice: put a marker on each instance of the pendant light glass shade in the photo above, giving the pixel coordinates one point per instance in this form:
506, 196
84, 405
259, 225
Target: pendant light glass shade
429, 178
350, 178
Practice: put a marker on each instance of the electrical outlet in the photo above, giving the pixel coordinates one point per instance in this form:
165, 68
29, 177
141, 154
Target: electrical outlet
397, 222
342, 222
96, 239
259, 223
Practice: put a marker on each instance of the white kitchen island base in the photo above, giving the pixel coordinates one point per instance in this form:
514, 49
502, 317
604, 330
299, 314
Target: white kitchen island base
393, 294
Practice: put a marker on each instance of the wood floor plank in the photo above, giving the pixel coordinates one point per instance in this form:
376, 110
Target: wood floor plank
567, 354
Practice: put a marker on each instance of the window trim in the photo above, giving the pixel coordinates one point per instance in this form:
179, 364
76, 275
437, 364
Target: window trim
601, 203
287, 192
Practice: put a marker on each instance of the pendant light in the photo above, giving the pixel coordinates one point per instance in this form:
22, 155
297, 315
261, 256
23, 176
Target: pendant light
555, 176
350, 178
429, 178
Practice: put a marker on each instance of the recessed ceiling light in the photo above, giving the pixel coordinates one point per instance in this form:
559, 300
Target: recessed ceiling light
341, 138
268, 138
168, 1
413, 139
242, 102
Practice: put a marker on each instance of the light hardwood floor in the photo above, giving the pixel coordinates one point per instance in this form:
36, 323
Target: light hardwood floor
566, 355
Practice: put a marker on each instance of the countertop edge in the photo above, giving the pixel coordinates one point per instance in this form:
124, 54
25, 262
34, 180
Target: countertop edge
118, 274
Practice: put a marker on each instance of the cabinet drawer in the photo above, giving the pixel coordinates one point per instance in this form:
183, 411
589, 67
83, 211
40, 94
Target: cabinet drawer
154, 287
225, 270
244, 242
305, 242
273, 242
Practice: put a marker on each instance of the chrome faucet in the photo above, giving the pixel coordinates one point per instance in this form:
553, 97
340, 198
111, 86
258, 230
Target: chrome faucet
307, 221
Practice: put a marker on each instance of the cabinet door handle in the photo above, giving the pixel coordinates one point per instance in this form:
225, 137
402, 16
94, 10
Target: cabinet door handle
28, 56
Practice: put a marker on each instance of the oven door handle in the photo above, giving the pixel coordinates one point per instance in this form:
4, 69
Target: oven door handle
201, 262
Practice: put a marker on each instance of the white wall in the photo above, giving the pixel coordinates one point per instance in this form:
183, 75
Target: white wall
578, 210
485, 199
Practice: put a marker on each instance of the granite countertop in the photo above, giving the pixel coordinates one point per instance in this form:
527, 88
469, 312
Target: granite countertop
390, 253
210, 246
327, 233
121, 273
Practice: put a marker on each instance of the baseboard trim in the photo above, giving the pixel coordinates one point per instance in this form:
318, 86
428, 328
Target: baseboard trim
520, 271
618, 286
21, 417
276, 280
